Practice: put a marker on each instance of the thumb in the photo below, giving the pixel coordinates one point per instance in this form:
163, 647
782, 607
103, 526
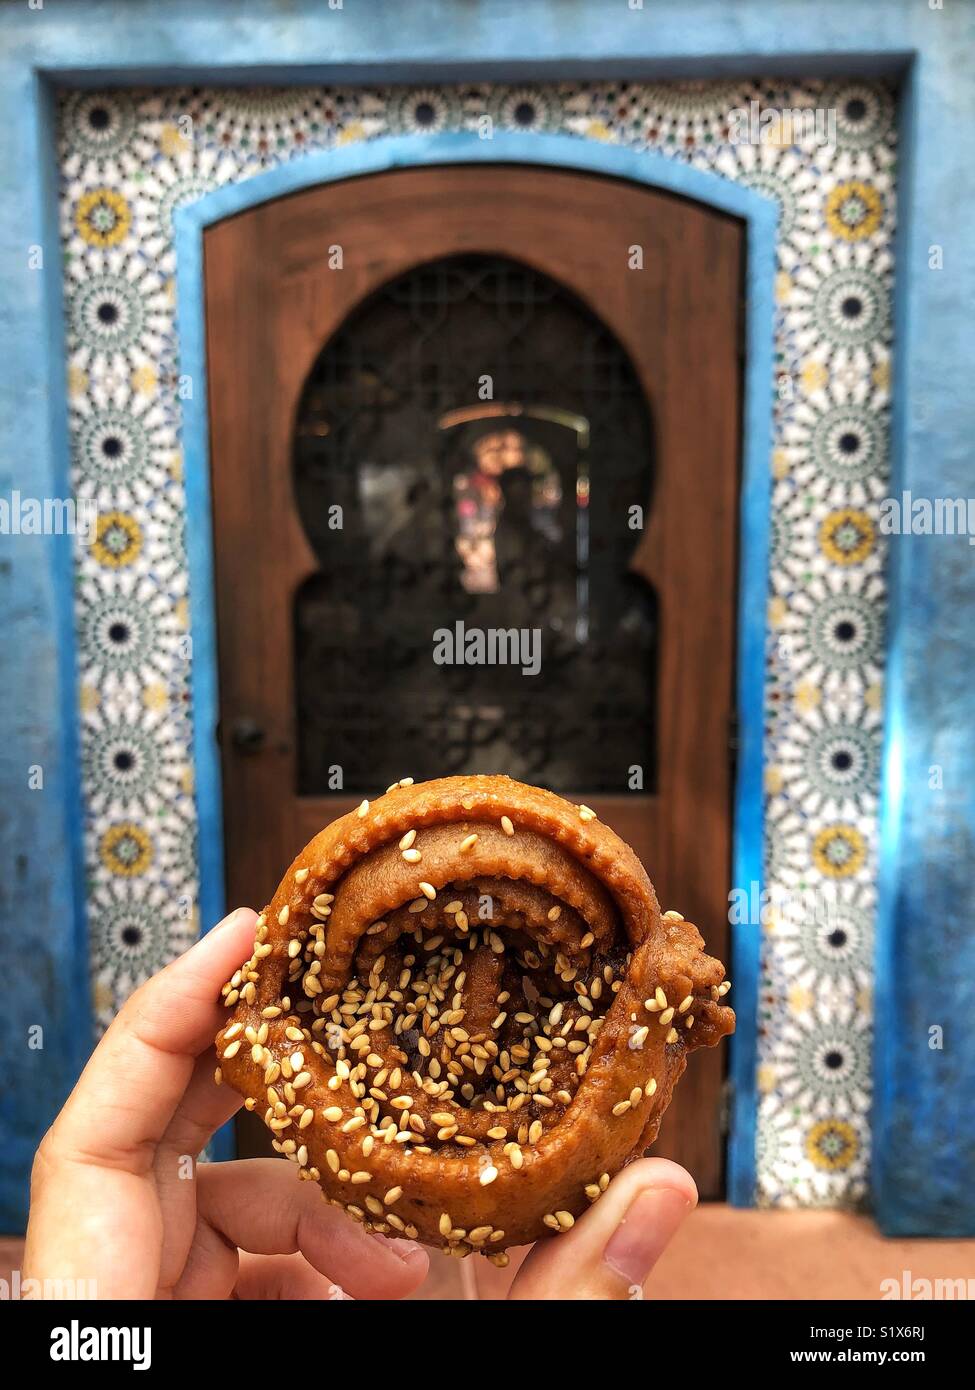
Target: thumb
612, 1248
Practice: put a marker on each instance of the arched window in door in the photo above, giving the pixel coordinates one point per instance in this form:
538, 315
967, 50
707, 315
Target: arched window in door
468, 451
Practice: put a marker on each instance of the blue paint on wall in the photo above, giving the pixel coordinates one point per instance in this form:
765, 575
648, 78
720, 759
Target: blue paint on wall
924, 1121
45, 1023
924, 1100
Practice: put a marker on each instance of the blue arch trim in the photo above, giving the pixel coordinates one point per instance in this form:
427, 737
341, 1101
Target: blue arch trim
760, 215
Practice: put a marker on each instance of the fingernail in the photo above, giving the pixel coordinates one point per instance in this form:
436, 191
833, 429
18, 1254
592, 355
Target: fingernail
230, 919
645, 1231
402, 1248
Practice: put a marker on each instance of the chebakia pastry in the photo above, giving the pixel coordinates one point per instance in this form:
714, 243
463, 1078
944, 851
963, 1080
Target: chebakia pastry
464, 1012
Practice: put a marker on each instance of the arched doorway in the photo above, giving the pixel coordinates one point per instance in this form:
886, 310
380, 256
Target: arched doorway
303, 324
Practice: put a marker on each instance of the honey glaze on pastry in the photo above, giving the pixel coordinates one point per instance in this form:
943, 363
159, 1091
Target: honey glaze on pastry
465, 1012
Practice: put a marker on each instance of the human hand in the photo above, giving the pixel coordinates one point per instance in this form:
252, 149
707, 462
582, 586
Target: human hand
611, 1250
118, 1198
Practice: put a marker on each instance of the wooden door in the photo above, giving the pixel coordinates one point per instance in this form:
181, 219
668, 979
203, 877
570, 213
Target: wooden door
344, 337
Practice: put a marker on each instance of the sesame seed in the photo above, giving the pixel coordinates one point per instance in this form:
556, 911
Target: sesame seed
467, 841
651, 1086
232, 1050
621, 1107
507, 826
283, 916
446, 1225
333, 1114
393, 1195
565, 1219
363, 810
674, 916
301, 875
636, 1095
407, 839
428, 890
412, 856
218, 1076
232, 1031
666, 1016
671, 1036
488, 1175
585, 813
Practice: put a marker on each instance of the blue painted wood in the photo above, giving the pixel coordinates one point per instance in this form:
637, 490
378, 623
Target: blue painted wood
553, 151
924, 1124
43, 956
923, 1120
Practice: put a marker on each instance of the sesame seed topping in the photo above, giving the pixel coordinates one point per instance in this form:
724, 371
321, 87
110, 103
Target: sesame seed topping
488, 1175
363, 810
283, 916
507, 826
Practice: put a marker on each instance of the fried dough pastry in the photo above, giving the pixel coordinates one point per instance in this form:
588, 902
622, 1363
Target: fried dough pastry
464, 1012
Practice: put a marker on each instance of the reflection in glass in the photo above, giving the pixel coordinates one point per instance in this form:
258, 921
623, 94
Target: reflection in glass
429, 507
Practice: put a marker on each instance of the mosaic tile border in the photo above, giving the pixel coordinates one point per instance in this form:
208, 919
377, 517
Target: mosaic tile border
127, 160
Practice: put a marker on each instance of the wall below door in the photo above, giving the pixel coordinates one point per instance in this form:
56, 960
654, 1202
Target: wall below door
129, 159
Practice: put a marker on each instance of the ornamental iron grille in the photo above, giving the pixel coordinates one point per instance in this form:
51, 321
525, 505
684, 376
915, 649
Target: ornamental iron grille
468, 449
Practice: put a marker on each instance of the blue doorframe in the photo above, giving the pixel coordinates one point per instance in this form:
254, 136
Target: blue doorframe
926, 947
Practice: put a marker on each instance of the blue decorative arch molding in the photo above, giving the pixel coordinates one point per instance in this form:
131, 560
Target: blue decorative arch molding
551, 151
923, 1121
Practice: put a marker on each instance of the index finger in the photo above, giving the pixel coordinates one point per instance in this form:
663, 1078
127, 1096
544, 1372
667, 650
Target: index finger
136, 1076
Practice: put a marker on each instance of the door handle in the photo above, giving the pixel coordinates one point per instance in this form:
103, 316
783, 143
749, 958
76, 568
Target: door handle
247, 735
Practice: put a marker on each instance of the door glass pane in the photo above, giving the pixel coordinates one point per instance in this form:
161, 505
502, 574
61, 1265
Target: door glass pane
468, 449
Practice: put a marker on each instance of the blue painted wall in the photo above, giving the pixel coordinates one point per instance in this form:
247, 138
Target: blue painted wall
926, 963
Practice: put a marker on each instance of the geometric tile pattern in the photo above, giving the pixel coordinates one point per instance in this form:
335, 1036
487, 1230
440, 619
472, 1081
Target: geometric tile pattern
128, 159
